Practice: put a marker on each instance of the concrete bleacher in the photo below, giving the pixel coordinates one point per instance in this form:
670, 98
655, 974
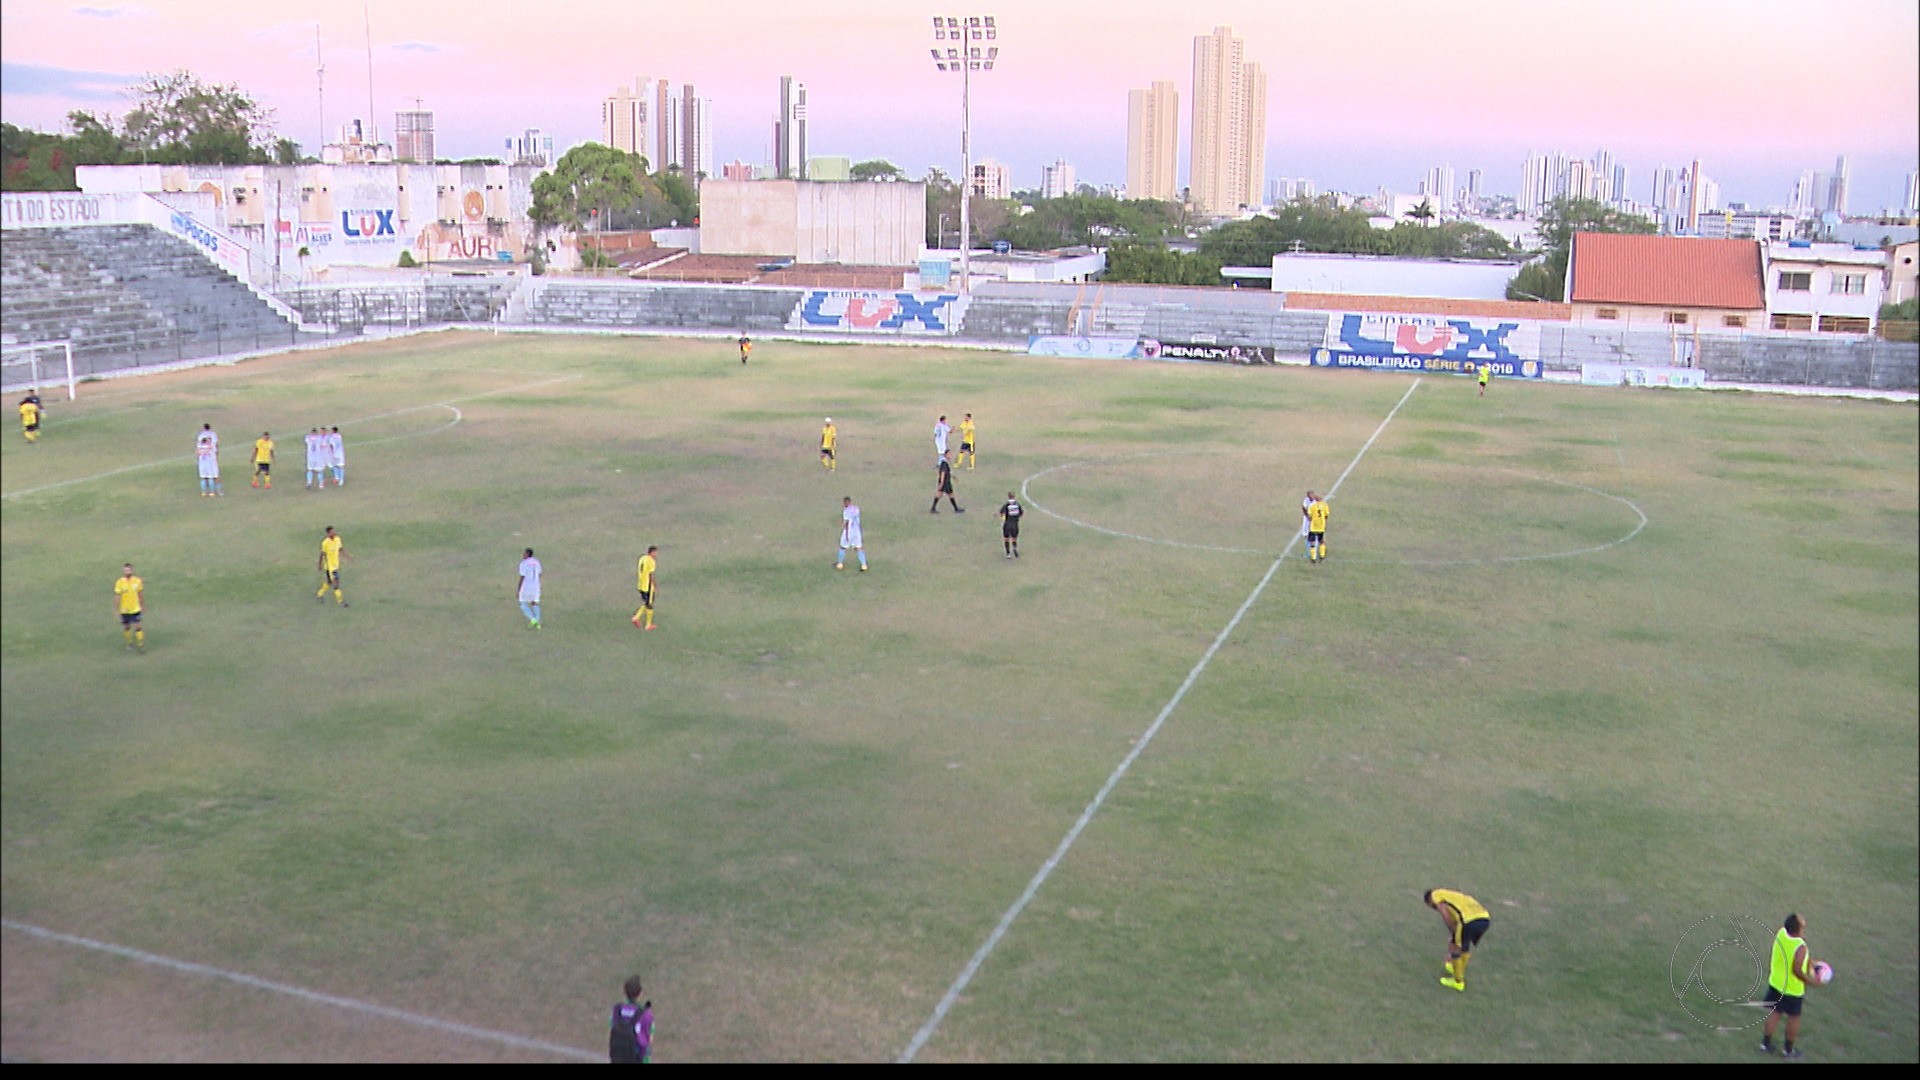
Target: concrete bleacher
642, 306
450, 298
127, 295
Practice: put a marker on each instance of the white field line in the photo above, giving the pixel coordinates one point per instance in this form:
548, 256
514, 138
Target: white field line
980, 956
1491, 559
351, 1004
449, 404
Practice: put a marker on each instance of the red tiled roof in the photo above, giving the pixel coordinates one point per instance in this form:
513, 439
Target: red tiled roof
1667, 271
1429, 305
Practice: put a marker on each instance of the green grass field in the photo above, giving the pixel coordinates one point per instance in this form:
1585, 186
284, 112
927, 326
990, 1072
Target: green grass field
801, 805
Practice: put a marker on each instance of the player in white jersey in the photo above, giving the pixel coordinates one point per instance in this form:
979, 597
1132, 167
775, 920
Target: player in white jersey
1306, 504
337, 456
530, 589
316, 460
940, 430
206, 453
850, 535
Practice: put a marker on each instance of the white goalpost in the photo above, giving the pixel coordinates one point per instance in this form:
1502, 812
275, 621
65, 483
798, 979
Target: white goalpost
32, 365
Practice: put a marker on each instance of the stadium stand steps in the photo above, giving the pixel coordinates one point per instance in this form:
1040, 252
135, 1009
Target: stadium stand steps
662, 307
123, 295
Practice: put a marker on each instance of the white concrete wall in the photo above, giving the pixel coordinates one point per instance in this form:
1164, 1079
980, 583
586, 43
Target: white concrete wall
1380, 275
870, 223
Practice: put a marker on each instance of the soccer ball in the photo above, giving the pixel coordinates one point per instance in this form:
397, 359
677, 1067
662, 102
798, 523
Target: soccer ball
1822, 973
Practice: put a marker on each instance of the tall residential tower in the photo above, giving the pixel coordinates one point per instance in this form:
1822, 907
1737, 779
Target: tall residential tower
1153, 142
1229, 132
790, 131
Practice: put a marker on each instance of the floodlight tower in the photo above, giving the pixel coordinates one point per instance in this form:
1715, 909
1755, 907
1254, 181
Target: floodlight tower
964, 46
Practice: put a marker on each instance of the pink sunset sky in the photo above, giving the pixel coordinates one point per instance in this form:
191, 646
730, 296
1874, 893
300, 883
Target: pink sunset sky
1360, 95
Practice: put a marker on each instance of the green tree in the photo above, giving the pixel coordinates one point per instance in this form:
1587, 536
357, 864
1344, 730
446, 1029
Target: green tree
1423, 213
1155, 264
943, 208
590, 182
179, 120
877, 169
1559, 223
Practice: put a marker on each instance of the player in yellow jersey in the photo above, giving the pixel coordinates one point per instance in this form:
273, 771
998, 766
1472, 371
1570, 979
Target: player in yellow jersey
263, 460
829, 438
30, 417
1467, 922
966, 440
332, 550
649, 587
746, 348
1317, 513
129, 599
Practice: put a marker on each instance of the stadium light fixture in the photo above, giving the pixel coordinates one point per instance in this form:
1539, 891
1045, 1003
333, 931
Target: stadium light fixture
960, 48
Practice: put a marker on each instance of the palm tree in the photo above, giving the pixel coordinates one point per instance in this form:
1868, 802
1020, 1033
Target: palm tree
1422, 213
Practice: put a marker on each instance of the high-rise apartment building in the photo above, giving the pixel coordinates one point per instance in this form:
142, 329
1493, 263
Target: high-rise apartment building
1475, 180
1913, 193
790, 131
992, 180
1229, 128
626, 120
413, 136
696, 133
1285, 189
530, 147
1837, 187
1438, 187
666, 125
1056, 180
1153, 141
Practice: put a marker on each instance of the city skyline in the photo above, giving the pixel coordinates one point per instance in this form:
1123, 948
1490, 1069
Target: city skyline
1652, 100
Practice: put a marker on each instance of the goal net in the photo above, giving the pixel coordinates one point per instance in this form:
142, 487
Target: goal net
35, 365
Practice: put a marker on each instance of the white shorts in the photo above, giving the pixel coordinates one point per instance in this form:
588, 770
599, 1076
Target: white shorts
533, 598
850, 540
209, 468
315, 465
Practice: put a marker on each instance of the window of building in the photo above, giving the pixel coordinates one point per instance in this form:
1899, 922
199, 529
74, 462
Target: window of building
1793, 322
1734, 321
1607, 313
1842, 324
1796, 281
1850, 284
1676, 318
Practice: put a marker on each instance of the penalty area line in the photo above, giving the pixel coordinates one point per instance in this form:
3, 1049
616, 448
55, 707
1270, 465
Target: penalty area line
979, 958
351, 1004
448, 404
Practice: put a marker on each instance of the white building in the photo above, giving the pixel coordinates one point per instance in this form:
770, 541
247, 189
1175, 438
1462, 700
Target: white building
1747, 225
1285, 189
790, 130
1384, 275
1056, 180
1438, 185
992, 180
1828, 288
861, 222
626, 119
359, 144
531, 147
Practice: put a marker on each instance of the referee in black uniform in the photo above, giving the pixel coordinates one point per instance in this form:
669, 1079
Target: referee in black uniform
943, 485
1010, 526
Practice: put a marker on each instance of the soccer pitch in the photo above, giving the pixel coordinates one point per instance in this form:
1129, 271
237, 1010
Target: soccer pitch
1614, 662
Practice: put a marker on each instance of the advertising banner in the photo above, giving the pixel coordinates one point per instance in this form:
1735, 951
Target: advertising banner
1639, 375
1439, 365
855, 311
1219, 354
936, 273
1106, 348
1446, 336
228, 252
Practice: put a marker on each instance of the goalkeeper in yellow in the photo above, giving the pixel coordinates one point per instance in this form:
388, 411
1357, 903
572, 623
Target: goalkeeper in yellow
829, 438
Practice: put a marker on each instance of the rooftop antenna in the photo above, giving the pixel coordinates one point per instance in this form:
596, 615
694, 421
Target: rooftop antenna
372, 130
320, 81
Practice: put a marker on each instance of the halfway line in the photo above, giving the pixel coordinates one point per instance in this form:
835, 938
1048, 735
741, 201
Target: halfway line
385, 1011
448, 404
1046, 869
